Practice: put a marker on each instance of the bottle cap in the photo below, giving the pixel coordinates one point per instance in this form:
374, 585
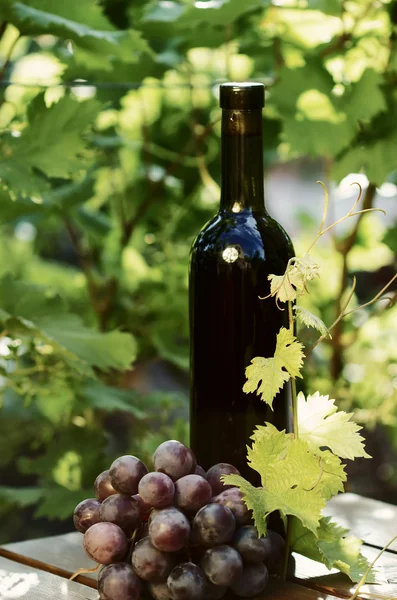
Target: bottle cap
242, 95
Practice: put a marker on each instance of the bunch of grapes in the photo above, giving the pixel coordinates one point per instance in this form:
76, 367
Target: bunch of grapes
177, 533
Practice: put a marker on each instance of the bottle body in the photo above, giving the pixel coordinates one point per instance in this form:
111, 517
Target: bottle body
229, 323
231, 259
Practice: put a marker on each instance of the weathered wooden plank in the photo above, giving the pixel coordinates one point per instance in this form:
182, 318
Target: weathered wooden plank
19, 581
62, 555
318, 577
373, 521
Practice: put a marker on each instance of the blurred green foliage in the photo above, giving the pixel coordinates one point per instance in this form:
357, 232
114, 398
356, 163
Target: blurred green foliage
110, 163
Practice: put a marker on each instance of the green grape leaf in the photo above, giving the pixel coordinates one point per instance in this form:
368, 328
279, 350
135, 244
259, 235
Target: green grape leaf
390, 238
110, 399
322, 425
267, 376
217, 12
289, 473
331, 546
365, 98
27, 311
51, 143
69, 21
311, 320
328, 7
21, 496
377, 159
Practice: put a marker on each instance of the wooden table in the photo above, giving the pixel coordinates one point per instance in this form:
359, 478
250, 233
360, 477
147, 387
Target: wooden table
40, 569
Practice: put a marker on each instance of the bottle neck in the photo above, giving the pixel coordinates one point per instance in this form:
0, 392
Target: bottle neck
242, 160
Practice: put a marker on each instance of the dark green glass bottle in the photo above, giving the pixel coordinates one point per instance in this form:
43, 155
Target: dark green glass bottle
229, 325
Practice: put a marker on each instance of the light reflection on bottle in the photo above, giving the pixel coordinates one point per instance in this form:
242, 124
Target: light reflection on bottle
230, 254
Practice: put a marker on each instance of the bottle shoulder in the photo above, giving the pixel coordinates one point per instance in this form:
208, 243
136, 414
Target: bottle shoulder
252, 233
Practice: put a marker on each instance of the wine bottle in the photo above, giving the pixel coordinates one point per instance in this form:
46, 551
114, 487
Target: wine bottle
231, 259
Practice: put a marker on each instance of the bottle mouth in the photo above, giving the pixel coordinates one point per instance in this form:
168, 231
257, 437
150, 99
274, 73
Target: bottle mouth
239, 95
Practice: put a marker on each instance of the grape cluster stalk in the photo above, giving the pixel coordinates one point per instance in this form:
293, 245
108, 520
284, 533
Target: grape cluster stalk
177, 533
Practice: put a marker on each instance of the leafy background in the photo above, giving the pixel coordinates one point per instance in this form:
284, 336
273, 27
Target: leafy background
110, 165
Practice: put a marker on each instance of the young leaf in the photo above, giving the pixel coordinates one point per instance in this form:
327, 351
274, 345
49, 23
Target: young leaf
321, 424
267, 376
333, 474
289, 472
331, 546
293, 283
310, 320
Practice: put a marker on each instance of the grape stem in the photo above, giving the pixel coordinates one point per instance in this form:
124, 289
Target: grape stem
296, 434
82, 571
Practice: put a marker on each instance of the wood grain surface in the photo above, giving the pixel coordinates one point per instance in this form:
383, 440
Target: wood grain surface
373, 521
19, 582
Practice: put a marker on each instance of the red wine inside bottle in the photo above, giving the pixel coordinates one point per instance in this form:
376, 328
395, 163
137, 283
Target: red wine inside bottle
231, 259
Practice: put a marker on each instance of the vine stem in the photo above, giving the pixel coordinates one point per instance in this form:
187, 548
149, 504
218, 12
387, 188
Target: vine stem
296, 434
370, 566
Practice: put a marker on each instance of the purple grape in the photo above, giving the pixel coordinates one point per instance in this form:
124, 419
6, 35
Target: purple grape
213, 525
223, 565
151, 564
159, 591
122, 510
214, 592
126, 473
174, 459
200, 471
277, 551
103, 486
157, 490
146, 509
214, 475
169, 530
192, 492
86, 514
252, 582
187, 582
105, 543
119, 582
233, 499
252, 548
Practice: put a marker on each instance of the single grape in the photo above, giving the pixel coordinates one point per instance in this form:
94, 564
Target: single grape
187, 582
252, 582
122, 510
145, 508
174, 459
169, 530
86, 514
233, 499
252, 548
157, 490
214, 592
223, 565
103, 486
151, 564
105, 543
277, 544
126, 473
192, 492
213, 525
159, 591
200, 471
119, 582
214, 475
